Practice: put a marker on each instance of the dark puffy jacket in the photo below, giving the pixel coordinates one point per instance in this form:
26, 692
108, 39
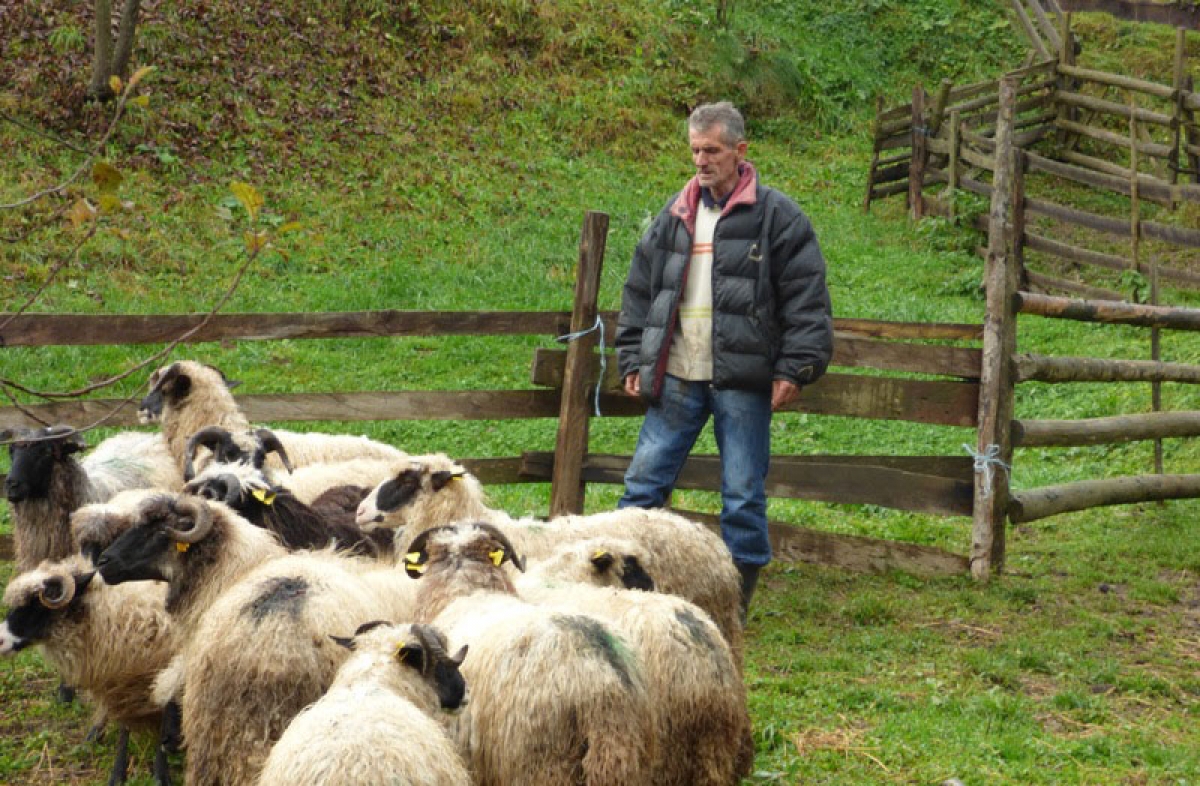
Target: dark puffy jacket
771, 311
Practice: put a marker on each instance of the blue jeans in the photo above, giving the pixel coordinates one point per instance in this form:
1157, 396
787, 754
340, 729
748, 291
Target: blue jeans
742, 424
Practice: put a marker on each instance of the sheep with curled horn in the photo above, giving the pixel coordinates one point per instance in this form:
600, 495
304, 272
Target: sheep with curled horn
188, 396
384, 719
690, 560
697, 698
250, 492
242, 604
584, 712
47, 481
109, 642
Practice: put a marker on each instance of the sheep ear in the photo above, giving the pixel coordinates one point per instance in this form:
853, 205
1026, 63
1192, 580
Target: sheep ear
602, 560
442, 478
459, 656
82, 581
343, 641
415, 563
412, 655
634, 576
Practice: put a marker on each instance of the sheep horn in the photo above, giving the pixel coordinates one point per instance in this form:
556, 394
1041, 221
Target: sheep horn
202, 519
57, 591
211, 437
271, 444
509, 552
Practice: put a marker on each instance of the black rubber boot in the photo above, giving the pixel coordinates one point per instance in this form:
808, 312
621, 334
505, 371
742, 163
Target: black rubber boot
749, 582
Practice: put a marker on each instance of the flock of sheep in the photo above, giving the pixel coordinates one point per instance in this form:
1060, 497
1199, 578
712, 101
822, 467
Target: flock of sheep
305, 608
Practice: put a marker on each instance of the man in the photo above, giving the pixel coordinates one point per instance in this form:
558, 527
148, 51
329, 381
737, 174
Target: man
725, 313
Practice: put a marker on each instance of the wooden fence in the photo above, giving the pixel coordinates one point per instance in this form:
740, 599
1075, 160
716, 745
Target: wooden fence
937, 384
1054, 121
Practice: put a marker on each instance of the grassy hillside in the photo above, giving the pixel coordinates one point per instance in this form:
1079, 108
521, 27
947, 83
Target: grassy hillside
441, 155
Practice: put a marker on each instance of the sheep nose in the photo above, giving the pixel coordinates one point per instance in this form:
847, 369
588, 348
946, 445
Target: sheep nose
15, 490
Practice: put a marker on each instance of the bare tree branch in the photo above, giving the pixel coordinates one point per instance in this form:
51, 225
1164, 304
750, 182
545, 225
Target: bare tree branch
42, 133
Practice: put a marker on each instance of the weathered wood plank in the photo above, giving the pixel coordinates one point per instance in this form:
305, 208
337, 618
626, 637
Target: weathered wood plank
1117, 81
110, 329
813, 478
1095, 104
1104, 135
875, 328
848, 351
1173, 14
1148, 187
1042, 368
1105, 431
1042, 281
300, 407
1109, 312
567, 488
885, 398
1098, 259
1084, 494
995, 403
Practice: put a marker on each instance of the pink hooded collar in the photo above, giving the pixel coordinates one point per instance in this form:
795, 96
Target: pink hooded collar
743, 193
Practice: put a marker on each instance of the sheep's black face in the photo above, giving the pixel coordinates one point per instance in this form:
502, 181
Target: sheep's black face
220, 488
137, 555
33, 464
449, 683
398, 491
26, 624
151, 407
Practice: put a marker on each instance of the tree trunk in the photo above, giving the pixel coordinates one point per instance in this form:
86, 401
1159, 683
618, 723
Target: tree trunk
126, 37
99, 89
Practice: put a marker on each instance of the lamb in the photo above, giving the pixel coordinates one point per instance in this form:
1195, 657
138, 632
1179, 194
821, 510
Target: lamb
249, 492
375, 726
690, 560
47, 482
557, 698
697, 697
107, 641
188, 396
241, 604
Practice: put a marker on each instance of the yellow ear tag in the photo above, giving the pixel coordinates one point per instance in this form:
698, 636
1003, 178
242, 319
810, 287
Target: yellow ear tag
413, 556
413, 569
264, 496
599, 553
496, 556
182, 547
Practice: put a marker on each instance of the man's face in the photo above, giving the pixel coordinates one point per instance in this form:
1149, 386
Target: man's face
716, 161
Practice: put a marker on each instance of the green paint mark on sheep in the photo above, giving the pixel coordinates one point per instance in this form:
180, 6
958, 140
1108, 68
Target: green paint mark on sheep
597, 638
695, 628
280, 595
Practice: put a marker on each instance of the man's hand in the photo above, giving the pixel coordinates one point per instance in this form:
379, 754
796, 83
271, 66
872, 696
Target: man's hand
633, 385
782, 393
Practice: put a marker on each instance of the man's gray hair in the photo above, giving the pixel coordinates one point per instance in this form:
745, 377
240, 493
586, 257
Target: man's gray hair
723, 114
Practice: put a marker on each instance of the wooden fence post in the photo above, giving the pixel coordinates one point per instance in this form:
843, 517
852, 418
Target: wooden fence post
916, 165
993, 447
566, 481
876, 140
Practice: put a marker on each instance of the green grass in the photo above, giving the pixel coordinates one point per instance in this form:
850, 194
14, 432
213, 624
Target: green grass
441, 157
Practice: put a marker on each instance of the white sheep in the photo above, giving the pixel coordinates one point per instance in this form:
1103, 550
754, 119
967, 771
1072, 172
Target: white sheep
188, 396
243, 605
378, 724
697, 698
106, 641
47, 482
557, 698
690, 560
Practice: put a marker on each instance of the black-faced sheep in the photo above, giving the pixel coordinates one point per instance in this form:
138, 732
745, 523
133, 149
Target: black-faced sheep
557, 697
697, 697
107, 641
249, 492
378, 724
690, 560
47, 482
244, 603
